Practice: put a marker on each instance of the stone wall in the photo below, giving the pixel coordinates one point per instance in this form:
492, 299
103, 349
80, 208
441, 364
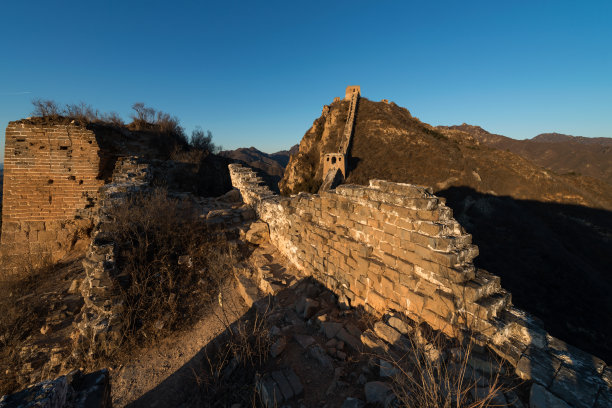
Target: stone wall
354, 93
51, 178
392, 246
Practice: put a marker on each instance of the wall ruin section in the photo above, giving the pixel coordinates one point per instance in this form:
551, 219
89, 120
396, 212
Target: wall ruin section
393, 246
51, 178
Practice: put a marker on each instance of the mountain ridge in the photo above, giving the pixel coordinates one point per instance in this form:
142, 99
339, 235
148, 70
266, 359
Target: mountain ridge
564, 154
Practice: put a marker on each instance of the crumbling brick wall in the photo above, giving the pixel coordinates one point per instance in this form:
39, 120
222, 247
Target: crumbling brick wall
51, 177
392, 246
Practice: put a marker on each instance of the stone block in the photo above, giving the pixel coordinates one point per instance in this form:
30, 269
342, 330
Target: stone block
386, 332
578, 388
539, 397
538, 366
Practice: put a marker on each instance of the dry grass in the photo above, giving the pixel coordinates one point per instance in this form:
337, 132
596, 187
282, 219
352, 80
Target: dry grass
232, 366
171, 264
24, 309
437, 372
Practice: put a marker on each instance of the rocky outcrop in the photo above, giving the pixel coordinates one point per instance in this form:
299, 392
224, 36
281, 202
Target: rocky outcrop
75, 390
304, 171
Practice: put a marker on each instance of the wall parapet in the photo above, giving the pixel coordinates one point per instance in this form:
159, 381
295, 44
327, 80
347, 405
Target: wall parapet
393, 246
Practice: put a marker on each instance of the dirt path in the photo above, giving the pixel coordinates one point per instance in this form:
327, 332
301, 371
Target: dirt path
159, 376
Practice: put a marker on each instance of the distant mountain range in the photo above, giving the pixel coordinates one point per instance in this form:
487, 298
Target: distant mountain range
564, 154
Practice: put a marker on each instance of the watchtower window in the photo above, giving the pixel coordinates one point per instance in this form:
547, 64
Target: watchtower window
328, 159
333, 160
339, 158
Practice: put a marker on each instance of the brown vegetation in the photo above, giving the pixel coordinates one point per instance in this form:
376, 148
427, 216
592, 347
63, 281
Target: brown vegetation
171, 264
27, 301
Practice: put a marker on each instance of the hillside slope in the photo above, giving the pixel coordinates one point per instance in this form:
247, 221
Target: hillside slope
547, 235
563, 154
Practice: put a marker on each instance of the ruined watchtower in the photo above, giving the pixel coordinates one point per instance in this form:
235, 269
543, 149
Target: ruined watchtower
337, 161
351, 90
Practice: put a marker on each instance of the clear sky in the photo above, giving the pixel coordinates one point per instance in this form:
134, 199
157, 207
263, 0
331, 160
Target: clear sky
257, 73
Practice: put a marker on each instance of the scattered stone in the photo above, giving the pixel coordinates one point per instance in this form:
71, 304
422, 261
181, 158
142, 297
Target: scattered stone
269, 392
352, 329
376, 392
330, 329
321, 318
386, 332
352, 341
294, 381
387, 369
72, 390
232, 196
45, 329
370, 340
229, 369
399, 325
283, 384
258, 233
485, 364
247, 289
310, 308
74, 287
578, 388
275, 331
537, 366
304, 340
353, 403
319, 354
331, 343
513, 400
278, 347
539, 397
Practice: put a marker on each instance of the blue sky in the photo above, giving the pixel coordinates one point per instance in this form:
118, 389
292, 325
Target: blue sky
258, 73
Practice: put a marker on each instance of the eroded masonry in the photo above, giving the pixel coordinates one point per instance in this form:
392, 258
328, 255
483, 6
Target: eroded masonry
393, 246
51, 177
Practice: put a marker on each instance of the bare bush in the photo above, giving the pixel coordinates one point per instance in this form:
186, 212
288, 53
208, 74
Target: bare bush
437, 372
81, 111
143, 116
232, 366
202, 141
24, 311
113, 118
46, 108
171, 263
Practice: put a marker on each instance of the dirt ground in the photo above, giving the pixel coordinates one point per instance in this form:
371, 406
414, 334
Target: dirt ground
152, 368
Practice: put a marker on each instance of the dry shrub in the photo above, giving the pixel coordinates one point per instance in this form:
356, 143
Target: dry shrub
170, 263
436, 373
232, 366
23, 312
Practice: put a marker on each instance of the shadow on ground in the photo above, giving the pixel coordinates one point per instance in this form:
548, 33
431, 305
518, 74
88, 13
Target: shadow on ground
553, 258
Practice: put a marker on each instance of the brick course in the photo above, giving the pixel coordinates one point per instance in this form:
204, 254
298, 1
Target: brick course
51, 175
